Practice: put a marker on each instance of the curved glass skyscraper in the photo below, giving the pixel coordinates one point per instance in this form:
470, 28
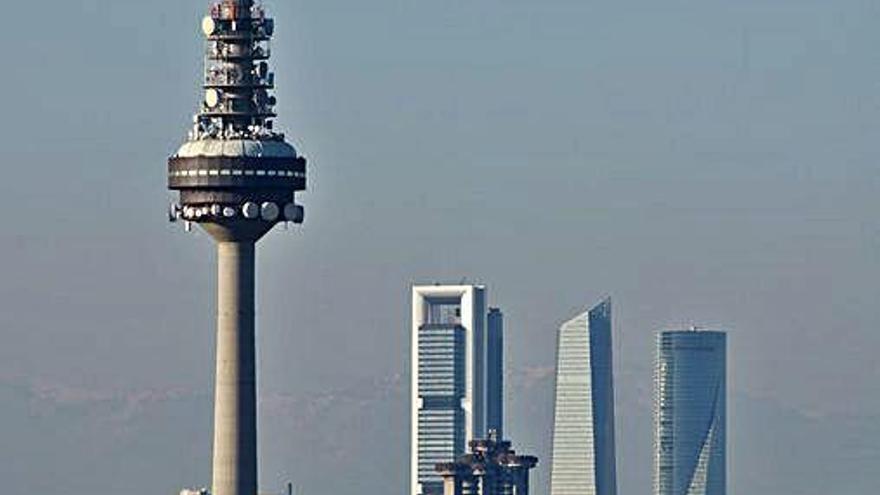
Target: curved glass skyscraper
583, 461
690, 413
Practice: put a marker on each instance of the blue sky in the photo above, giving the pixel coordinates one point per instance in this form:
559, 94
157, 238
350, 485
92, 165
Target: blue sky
707, 163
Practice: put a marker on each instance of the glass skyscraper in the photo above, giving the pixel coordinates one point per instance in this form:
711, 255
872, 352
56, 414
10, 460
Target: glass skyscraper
690, 413
456, 377
495, 373
583, 459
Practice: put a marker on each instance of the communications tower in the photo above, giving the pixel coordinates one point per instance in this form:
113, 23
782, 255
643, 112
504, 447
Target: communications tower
237, 178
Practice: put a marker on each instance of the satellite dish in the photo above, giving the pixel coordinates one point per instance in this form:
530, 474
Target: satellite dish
269, 211
294, 212
208, 25
250, 210
212, 98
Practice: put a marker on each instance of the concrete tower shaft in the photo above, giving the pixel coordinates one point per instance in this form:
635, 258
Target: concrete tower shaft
236, 178
235, 392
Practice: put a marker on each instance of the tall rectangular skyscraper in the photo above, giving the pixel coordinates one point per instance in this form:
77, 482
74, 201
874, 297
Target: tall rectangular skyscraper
495, 373
583, 459
690, 402
451, 377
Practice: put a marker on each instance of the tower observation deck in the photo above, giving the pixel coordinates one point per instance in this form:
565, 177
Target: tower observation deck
236, 175
236, 178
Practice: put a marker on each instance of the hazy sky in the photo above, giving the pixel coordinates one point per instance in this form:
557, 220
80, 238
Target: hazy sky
710, 163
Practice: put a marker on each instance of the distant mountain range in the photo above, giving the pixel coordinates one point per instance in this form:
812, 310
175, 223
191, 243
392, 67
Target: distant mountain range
65, 441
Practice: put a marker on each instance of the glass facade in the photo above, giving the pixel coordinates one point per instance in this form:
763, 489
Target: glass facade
583, 458
441, 388
690, 413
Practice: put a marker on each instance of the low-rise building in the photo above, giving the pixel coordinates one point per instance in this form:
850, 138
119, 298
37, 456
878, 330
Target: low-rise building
491, 468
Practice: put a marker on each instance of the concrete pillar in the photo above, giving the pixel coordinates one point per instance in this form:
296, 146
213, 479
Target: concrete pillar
235, 399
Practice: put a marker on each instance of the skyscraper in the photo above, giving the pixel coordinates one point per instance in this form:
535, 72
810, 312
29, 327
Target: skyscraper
690, 413
583, 459
449, 374
236, 178
495, 372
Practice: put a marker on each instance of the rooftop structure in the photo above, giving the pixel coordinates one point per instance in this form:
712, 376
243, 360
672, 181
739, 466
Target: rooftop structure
490, 468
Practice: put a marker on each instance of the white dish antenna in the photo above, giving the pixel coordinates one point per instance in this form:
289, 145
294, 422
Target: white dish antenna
209, 26
212, 98
250, 210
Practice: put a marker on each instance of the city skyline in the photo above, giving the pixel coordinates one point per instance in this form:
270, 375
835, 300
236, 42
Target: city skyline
709, 163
